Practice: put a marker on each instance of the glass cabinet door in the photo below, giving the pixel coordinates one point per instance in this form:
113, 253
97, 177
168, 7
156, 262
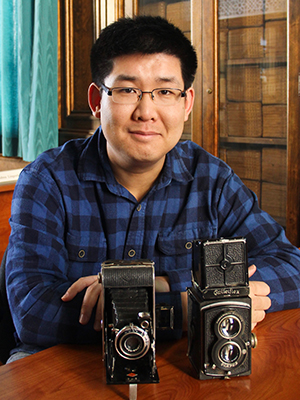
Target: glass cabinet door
247, 102
178, 12
253, 97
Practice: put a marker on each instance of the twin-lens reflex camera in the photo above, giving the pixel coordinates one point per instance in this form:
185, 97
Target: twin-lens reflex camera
219, 310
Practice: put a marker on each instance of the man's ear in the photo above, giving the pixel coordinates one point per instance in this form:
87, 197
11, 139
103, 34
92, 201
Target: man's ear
189, 102
94, 99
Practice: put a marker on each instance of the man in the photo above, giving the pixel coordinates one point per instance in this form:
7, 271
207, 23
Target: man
132, 191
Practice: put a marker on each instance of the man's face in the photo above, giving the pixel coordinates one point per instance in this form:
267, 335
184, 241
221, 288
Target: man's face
139, 135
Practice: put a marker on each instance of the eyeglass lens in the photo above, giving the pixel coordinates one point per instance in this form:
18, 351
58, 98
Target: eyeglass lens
162, 96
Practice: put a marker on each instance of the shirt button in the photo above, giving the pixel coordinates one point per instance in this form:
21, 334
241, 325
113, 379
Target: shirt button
188, 245
81, 253
139, 207
131, 253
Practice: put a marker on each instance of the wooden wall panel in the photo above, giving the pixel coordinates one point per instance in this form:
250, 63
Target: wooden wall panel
80, 22
77, 33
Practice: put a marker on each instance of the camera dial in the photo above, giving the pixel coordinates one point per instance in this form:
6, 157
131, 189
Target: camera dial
144, 318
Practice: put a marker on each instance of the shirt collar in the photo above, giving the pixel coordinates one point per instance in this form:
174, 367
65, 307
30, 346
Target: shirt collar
94, 164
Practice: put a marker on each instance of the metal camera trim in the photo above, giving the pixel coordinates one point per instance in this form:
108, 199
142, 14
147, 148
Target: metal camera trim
223, 318
123, 334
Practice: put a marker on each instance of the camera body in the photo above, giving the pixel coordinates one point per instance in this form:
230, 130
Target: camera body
219, 309
129, 321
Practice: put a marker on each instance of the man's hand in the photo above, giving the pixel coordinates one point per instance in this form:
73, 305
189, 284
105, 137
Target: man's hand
258, 292
260, 301
93, 296
162, 284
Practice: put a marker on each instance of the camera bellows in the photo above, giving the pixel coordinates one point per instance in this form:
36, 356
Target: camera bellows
127, 304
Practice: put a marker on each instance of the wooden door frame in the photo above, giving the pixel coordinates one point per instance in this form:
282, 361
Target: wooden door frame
204, 28
293, 146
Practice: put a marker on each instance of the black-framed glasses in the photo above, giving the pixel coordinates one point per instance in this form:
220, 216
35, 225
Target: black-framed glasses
132, 95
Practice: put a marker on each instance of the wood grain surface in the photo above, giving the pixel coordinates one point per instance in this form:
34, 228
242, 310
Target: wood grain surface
77, 372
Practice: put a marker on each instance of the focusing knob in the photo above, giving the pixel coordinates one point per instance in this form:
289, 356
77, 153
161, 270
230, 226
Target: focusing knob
253, 340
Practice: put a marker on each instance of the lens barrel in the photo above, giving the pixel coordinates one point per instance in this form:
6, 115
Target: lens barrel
132, 342
229, 326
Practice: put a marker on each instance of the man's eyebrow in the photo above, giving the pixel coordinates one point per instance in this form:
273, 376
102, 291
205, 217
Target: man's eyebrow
128, 78
168, 79
159, 80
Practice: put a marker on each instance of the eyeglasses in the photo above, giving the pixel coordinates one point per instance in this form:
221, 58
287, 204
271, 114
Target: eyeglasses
132, 95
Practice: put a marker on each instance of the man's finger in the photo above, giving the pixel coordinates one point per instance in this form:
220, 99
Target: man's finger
258, 288
78, 286
89, 301
261, 303
251, 270
258, 316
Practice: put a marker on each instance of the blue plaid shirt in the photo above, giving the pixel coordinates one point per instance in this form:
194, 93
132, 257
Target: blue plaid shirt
69, 214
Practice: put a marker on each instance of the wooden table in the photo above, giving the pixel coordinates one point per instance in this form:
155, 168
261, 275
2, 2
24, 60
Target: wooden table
77, 372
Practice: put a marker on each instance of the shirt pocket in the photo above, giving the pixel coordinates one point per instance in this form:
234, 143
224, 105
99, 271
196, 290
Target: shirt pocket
87, 247
175, 251
175, 248
176, 243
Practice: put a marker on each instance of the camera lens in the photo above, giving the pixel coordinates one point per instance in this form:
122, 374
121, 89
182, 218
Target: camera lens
230, 353
229, 326
132, 342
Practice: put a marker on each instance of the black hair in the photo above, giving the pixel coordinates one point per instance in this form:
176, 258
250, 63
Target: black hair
142, 35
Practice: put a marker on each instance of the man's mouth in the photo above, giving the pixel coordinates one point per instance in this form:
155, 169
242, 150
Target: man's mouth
144, 134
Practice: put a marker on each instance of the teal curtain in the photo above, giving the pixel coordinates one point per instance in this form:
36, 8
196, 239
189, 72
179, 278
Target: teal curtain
28, 77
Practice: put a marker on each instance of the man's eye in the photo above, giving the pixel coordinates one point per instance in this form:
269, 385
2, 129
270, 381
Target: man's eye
127, 91
165, 92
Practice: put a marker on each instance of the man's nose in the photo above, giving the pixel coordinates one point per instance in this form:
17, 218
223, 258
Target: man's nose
145, 108
146, 92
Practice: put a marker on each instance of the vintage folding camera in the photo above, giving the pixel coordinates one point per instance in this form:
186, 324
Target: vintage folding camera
219, 309
129, 321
